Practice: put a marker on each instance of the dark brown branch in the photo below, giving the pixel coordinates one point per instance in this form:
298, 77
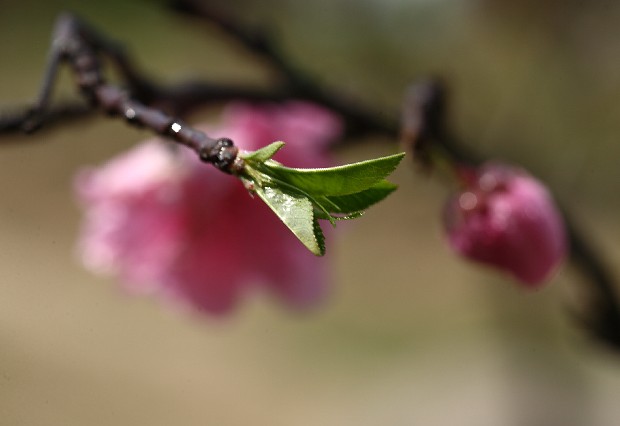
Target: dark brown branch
180, 99
424, 120
14, 122
184, 97
296, 83
79, 46
258, 41
424, 126
602, 316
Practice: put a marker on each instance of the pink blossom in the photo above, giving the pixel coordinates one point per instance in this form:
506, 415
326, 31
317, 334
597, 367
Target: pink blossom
167, 224
507, 219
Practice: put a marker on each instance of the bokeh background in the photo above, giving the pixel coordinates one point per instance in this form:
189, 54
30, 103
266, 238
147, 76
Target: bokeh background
411, 335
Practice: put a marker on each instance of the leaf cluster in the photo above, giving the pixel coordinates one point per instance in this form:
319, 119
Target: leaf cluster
300, 197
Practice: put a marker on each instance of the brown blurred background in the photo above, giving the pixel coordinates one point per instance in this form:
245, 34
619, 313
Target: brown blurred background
411, 334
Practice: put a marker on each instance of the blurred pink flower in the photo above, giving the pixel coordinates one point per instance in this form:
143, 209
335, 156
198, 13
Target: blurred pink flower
170, 225
507, 219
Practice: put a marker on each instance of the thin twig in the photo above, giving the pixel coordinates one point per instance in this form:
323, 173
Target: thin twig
14, 122
296, 82
79, 46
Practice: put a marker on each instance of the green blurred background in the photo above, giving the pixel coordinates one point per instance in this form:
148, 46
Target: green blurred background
411, 335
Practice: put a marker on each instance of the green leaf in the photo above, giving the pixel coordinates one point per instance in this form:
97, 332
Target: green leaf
334, 181
351, 206
297, 213
263, 154
359, 201
300, 197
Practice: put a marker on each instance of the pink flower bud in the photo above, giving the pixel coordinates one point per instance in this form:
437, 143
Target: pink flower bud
167, 224
507, 219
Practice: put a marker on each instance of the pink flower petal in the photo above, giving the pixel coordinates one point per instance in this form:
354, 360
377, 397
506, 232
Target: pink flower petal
168, 224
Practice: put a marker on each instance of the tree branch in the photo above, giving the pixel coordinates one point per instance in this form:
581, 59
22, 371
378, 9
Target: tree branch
423, 121
78, 45
296, 83
16, 121
424, 124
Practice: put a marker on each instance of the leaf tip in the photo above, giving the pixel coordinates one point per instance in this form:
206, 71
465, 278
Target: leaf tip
263, 154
